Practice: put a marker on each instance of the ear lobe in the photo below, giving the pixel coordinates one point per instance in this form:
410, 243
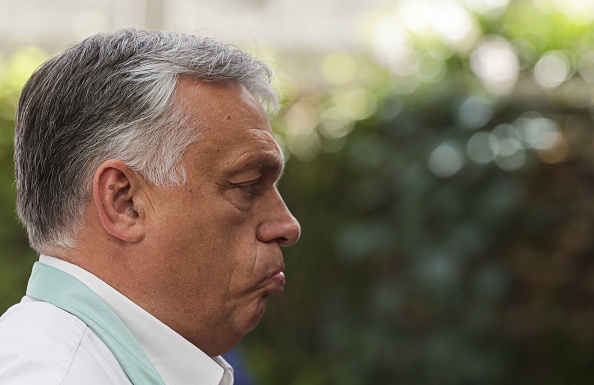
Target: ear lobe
115, 194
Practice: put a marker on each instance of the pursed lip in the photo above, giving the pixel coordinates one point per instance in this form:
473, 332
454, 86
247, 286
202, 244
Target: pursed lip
277, 279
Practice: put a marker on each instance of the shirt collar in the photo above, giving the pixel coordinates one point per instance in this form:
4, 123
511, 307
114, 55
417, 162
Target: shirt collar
176, 359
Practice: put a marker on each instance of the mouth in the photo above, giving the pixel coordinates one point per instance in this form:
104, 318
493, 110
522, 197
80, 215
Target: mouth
278, 280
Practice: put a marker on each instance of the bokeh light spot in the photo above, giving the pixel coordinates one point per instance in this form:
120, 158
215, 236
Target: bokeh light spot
360, 102
558, 153
513, 155
552, 69
453, 23
496, 64
19, 67
338, 68
431, 70
487, 7
392, 48
446, 160
586, 66
538, 132
479, 148
475, 112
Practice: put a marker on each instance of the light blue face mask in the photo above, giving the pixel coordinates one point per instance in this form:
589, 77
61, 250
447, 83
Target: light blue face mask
54, 286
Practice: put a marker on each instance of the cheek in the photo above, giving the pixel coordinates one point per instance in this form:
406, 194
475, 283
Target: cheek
246, 272
211, 234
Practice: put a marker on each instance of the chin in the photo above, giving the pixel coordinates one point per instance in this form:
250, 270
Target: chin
252, 318
239, 326
258, 315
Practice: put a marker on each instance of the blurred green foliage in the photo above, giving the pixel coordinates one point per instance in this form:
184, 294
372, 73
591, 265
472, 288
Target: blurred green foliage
444, 181
447, 219
16, 258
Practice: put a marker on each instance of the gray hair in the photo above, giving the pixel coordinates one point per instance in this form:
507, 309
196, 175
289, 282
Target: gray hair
112, 96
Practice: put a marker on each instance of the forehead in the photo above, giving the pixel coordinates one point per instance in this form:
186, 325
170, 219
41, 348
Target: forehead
232, 125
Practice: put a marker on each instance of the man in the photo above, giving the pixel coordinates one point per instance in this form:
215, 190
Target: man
146, 177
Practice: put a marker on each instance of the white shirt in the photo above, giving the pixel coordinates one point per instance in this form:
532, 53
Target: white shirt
42, 344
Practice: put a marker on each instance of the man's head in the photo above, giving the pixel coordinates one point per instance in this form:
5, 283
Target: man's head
147, 159
112, 96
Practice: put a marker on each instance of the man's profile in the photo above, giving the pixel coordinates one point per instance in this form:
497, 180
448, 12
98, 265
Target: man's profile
146, 175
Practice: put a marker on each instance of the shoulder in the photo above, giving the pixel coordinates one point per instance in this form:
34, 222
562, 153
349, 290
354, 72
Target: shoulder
40, 343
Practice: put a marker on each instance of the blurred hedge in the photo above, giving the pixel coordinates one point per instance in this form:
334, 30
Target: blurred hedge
447, 239
16, 258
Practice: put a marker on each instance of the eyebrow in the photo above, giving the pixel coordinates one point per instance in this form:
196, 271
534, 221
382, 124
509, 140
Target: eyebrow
263, 160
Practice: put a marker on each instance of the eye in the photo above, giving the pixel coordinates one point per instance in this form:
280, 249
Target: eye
249, 188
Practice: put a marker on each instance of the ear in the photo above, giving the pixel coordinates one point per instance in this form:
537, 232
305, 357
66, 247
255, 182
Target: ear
116, 195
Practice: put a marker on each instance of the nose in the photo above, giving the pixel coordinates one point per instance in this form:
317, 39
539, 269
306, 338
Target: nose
279, 225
